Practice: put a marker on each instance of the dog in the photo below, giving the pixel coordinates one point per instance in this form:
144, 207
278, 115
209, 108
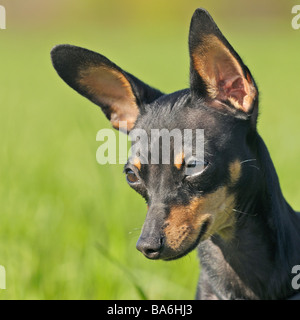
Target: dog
230, 207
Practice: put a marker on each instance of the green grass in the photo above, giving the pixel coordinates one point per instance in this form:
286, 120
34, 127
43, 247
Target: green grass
59, 207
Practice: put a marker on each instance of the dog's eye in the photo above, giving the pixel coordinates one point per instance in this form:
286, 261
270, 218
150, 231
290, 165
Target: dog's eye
193, 163
131, 176
195, 167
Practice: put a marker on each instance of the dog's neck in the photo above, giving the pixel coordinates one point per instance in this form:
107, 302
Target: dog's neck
257, 262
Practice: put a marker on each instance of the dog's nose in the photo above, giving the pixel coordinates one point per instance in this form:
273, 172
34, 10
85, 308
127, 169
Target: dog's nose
150, 247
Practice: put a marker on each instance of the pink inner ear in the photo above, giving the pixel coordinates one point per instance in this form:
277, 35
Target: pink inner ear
230, 82
223, 75
232, 88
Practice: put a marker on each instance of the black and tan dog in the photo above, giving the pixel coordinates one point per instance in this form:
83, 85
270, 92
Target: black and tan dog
232, 209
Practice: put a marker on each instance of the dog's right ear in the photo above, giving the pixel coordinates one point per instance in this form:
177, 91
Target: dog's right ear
218, 74
120, 95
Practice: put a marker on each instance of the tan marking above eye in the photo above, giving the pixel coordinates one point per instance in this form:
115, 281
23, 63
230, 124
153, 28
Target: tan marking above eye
179, 159
137, 163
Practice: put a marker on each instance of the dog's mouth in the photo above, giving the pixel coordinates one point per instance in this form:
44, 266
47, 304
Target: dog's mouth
202, 232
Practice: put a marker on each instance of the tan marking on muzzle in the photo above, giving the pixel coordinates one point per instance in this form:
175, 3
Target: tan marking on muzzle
183, 226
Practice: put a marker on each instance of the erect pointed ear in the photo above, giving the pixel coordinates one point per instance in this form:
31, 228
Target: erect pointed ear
120, 95
217, 72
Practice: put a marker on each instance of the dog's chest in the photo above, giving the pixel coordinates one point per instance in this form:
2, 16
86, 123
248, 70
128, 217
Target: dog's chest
218, 278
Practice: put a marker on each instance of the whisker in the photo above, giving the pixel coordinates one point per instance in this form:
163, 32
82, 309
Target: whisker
226, 211
135, 230
210, 234
245, 213
248, 160
254, 167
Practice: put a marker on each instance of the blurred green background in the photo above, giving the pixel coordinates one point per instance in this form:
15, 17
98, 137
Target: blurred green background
68, 226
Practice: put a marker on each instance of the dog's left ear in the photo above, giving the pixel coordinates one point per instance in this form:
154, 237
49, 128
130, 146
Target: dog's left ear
217, 72
120, 95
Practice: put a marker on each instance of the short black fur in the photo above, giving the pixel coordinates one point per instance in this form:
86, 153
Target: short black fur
255, 258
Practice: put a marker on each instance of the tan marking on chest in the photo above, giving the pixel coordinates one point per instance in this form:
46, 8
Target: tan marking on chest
235, 171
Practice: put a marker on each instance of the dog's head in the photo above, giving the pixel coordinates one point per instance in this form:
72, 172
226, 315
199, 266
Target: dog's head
191, 197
